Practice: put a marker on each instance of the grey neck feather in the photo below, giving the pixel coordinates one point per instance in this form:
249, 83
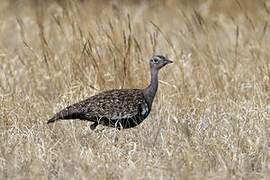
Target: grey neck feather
150, 91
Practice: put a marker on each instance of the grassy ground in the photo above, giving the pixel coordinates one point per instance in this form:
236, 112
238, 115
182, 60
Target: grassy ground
211, 117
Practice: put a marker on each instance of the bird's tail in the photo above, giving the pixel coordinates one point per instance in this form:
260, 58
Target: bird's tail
52, 120
64, 114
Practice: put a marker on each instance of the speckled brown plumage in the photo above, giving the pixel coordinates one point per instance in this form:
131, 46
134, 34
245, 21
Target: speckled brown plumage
115, 108
121, 108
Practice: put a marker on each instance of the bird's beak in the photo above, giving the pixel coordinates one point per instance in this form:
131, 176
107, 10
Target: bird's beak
168, 61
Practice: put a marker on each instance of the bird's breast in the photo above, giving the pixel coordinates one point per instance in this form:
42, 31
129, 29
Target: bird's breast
144, 110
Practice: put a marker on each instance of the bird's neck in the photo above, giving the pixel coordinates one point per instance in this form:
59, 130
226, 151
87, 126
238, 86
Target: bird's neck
150, 91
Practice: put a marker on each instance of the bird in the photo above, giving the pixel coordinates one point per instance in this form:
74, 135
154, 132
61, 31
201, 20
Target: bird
117, 108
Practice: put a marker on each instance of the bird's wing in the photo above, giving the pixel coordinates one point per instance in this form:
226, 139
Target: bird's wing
115, 104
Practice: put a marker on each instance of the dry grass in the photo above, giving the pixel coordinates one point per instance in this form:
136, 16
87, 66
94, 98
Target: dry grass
211, 117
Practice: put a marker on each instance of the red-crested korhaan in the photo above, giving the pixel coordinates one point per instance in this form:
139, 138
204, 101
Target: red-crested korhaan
119, 108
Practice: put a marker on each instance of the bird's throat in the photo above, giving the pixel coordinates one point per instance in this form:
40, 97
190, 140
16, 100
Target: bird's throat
151, 90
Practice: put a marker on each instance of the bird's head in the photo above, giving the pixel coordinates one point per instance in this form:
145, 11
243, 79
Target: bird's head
158, 61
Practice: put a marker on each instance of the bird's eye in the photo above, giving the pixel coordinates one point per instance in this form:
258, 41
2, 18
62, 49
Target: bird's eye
155, 60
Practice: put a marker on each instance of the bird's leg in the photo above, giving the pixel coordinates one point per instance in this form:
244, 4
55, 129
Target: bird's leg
93, 126
115, 136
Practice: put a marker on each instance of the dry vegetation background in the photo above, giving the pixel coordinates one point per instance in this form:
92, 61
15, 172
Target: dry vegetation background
211, 117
